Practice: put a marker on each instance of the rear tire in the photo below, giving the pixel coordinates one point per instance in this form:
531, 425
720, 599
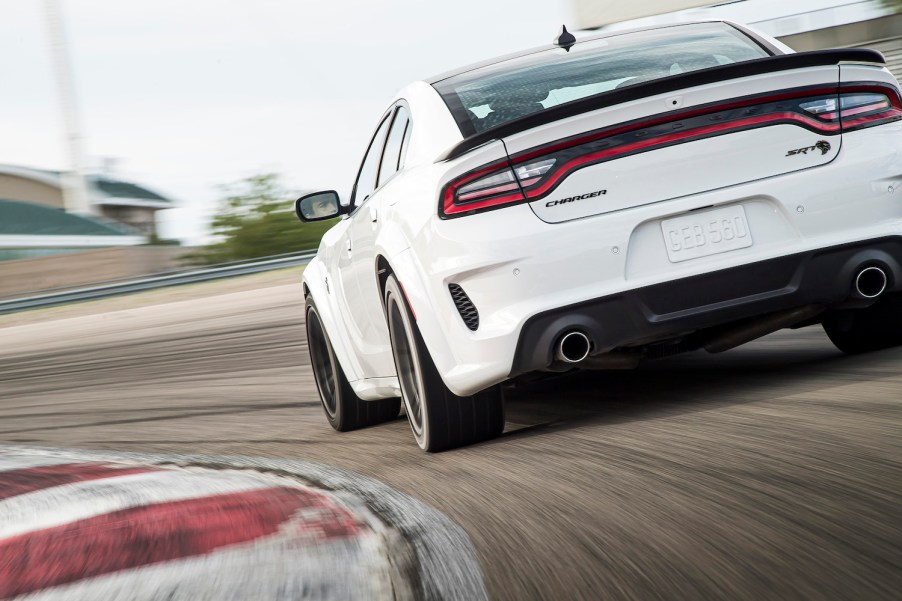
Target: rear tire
862, 330
344, 409
439, 419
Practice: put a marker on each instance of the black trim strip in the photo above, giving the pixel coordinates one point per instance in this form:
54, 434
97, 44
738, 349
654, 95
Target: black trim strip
771, 64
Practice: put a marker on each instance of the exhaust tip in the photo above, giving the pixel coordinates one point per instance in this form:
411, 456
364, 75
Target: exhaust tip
870, 282
573, 347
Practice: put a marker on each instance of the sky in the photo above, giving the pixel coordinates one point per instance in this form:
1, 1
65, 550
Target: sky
188, 95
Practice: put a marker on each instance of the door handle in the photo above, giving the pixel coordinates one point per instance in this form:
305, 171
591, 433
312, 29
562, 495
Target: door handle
349, 246
374, 214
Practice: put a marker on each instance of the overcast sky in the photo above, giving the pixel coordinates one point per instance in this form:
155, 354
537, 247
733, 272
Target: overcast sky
190, 94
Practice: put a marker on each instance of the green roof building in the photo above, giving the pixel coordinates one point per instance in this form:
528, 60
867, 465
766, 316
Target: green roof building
34, 222
127, 203
33, 230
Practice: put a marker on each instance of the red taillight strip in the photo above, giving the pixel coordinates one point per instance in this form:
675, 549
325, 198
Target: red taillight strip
815, 123
450, 208
890, 114
645, 145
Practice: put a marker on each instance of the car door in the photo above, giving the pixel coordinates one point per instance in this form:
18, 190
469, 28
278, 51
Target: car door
374, 348
347, 289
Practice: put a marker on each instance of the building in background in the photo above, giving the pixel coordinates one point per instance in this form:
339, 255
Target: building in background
115, 200
35, 230
801, 24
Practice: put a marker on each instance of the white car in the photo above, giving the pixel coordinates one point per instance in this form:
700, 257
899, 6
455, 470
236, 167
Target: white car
596, 203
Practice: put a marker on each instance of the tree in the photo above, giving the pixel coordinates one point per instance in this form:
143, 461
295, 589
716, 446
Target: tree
256, 219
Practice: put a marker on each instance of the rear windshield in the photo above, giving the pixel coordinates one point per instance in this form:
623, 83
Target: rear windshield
490, 96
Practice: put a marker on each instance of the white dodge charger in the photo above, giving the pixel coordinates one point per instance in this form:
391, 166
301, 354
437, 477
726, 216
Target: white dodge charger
597, 203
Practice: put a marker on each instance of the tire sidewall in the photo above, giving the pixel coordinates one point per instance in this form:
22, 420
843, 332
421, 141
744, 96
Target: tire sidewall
874, 328
335, 419
395, 301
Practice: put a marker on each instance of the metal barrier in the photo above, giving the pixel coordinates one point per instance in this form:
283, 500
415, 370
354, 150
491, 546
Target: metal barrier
98, 290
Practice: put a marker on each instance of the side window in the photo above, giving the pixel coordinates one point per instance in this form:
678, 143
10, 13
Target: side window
404, 144
366, 177
393, 146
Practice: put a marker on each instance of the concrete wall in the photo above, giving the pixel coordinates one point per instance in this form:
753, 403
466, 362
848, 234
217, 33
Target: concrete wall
27, 275
24, 189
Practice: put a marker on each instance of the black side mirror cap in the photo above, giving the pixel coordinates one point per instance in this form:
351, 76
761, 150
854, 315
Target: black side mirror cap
318, 206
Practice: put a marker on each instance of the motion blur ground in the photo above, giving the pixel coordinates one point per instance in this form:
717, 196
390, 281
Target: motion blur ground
771, 471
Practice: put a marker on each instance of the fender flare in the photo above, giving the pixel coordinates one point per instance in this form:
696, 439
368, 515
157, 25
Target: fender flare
410, 274
314, 279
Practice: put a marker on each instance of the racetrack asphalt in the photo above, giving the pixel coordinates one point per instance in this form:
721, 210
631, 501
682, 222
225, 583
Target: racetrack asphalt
772, 471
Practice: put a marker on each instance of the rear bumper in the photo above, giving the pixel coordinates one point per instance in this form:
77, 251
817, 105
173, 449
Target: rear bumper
519, 270
657, 312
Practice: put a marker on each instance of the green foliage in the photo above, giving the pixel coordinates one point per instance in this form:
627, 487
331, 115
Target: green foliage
893, 5
155, 240
256, 219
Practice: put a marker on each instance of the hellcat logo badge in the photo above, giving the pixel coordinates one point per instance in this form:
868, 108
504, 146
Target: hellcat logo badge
822, 145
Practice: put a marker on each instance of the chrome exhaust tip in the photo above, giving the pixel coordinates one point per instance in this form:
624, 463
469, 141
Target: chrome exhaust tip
870, 282
573, 347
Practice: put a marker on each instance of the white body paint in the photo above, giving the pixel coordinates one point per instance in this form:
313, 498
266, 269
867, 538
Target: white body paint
521, 260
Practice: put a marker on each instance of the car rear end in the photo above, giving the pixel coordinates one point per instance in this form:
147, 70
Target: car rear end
654, 192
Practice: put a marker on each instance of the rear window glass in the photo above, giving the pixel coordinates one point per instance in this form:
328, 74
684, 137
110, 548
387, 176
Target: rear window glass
490, 96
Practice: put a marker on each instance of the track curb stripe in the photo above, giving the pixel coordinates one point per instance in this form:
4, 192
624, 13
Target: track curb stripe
61, 505
431, 558
141, 536
32, 479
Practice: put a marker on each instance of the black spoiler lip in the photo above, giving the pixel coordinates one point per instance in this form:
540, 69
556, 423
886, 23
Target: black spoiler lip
770, 64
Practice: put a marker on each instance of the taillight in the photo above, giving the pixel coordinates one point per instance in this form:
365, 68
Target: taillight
493, 186
485, 188
866, 106
858, 107
501, 182
822, 108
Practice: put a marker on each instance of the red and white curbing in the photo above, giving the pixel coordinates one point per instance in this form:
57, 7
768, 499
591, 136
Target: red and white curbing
76, 526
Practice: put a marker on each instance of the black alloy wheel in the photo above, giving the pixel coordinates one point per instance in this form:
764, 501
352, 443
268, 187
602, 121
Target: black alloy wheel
344, 409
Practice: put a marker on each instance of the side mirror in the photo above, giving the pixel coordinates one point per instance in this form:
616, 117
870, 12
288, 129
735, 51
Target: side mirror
318, 206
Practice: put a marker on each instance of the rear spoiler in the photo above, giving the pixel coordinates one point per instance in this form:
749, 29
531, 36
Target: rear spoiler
758, 66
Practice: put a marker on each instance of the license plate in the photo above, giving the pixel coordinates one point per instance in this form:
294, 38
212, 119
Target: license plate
706, 233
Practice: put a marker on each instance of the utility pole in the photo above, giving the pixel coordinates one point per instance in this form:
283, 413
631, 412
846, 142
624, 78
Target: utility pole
75, 189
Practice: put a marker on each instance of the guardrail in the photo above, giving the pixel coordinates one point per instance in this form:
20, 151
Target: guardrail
98, 290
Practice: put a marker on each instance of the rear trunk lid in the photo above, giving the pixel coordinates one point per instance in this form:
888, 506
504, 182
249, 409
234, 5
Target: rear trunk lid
681, 143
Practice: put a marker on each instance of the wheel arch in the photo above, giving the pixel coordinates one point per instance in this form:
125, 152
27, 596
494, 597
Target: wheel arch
414, 284
314, 285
